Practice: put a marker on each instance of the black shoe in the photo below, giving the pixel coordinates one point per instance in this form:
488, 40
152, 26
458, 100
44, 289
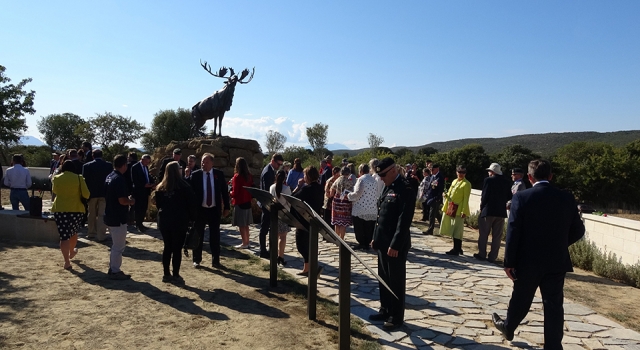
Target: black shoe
428, 233
178, 280
265, 254
217, 265
478, 257
381, 316
499, 323
167, 278
119, 276
491, 261
141, 228
453, 252
281, 261
391, 323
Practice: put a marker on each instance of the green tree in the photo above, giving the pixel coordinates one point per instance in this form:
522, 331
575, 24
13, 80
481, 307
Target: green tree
15, 102
374, 141
111, 129
275, 141
292, 152
317, 136
427, 151
60, 131
168, 125
472, 156
515, 156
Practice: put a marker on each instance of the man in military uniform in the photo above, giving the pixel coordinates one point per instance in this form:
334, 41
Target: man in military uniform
392, 240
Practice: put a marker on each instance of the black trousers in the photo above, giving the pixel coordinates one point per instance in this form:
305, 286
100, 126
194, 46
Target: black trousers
173, 242
326, 213
302, 243
524, 289
363, 230
211, 217
142, 203
434, 213
394, 272
265, 225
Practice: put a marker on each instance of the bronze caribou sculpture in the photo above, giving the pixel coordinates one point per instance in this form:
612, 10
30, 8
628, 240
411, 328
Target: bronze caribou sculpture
214, 106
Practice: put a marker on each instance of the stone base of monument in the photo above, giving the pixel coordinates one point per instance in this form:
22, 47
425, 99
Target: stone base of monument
18, 225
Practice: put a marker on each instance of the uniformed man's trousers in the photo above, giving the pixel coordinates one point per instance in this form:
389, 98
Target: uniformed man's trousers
394, 272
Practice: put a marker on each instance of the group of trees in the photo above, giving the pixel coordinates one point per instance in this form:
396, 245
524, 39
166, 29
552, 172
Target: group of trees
15, 103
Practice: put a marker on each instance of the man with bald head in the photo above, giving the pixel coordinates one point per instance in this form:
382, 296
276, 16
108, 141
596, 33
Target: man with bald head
392, 240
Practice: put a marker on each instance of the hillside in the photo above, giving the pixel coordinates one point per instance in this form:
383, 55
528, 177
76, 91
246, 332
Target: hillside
543, 144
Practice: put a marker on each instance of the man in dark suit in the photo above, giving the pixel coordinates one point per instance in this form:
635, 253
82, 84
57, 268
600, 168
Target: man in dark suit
88, 152
77, 163
267, 178
392, 240
544, 222
212, 196
95, 174
142, 185
132, 159
177, 154
434, 197
496, 191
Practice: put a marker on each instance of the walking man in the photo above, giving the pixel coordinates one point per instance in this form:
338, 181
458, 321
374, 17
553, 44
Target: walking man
267, 178
392, 240
212, 198
117, 204
544, 222
493, 212
18, 179
95, 173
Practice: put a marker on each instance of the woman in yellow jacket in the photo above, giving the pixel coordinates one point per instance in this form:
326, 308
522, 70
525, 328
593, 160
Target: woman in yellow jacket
453, 225
68, 209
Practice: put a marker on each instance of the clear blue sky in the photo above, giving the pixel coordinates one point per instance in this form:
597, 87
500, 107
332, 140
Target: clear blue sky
413, 72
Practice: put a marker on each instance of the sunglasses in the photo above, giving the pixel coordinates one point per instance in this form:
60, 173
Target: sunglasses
461, 172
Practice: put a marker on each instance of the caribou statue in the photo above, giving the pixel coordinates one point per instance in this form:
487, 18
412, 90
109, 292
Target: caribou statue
214, 106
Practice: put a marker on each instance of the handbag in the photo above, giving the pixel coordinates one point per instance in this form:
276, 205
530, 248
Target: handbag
452, 209
83, 200
192, 240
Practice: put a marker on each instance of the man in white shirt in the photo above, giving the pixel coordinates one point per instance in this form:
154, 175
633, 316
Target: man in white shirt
18, 179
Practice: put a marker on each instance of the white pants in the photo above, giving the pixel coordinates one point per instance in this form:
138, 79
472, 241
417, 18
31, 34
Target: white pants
97, 228
119, 240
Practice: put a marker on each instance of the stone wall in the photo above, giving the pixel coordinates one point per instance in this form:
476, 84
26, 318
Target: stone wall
224, 149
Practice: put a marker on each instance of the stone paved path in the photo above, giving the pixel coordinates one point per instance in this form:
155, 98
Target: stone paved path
450, 301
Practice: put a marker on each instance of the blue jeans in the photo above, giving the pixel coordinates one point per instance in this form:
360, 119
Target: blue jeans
17, 196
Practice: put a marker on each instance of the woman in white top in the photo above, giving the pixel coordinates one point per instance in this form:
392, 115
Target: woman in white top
277, 189
365, 207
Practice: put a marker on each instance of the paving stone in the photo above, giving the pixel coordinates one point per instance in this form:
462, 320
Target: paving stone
593, 344
620, 333
531, 329
583, 327
424, 334
577, 309
602, 321
463, 341
475, 324
442, 339
411, 300
488, 339
536, 338
571, 340
384, 335
569, 346
464, 331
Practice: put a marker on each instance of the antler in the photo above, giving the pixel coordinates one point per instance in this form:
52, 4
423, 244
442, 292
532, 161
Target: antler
244, 74
221, 72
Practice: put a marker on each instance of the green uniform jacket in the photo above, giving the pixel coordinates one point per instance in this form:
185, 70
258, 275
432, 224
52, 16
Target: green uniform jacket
395, 212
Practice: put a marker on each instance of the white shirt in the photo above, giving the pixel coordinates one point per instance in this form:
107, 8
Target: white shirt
379, 183
537, 182
17, 177
204, 188
285, 190
365, 197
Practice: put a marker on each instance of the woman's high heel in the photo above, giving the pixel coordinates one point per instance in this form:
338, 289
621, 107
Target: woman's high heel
281, 261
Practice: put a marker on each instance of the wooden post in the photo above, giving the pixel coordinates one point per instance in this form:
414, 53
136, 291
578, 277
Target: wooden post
344, 299
312, 285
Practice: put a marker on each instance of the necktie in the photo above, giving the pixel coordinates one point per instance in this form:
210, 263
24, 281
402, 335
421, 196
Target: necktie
209, 190
146, 173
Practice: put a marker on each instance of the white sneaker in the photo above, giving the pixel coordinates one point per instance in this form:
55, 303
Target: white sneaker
241, 246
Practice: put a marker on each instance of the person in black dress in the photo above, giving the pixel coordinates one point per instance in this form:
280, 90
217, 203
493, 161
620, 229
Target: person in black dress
176, 204
312, 193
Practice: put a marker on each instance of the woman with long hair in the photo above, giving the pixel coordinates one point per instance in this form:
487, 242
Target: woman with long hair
68, 210
455, 209
295, 174
328, 199
341, 210
241, 200
176, 204
277, 190
311, 193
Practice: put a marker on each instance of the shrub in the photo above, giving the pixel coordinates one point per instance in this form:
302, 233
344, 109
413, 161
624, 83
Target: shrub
586, 255
472, 220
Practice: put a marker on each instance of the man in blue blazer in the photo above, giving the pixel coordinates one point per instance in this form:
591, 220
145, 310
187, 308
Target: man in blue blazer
212, 198
434, 197
95, 173
543, 223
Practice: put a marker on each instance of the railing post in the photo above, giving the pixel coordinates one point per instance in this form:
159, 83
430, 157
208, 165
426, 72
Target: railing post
273, 246
344, 299
312, 284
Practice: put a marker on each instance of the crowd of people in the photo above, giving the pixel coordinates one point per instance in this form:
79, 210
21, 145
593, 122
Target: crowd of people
378, 200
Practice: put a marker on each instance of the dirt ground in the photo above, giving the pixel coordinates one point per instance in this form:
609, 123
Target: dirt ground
43, 306
615, 300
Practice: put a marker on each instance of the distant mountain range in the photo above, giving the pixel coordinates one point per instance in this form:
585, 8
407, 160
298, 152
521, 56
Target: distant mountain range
31, 141
543, 144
